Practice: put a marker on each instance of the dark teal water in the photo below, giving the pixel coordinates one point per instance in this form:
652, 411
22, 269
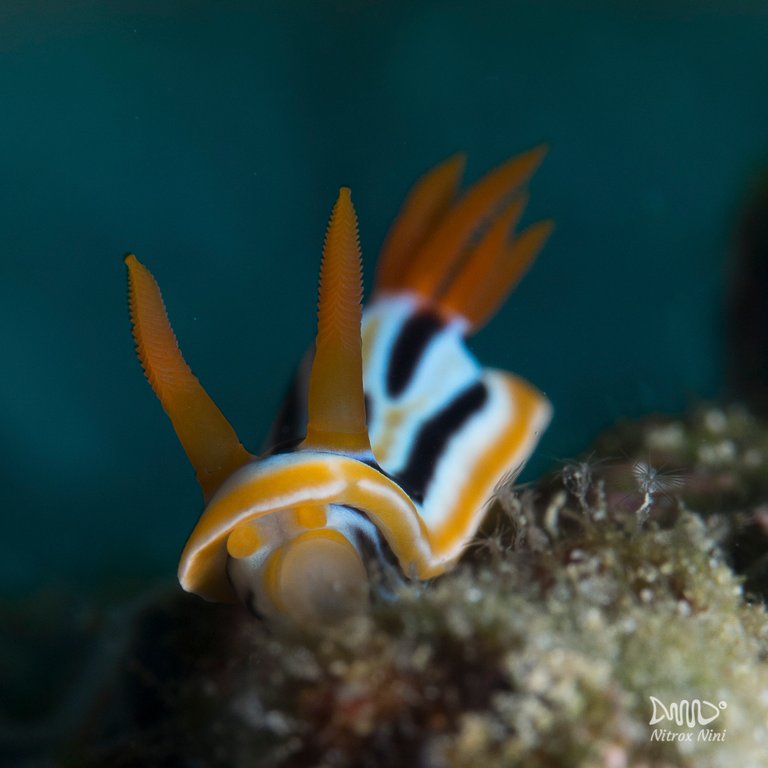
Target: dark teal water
211, 138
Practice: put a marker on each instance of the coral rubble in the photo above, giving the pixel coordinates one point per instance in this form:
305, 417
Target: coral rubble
593, 601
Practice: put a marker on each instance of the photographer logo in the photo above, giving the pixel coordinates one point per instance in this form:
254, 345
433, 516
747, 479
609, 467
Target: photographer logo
693, 714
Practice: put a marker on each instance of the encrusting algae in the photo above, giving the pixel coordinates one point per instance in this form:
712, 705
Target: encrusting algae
583, 602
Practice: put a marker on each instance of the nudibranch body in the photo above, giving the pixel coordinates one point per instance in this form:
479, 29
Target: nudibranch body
392, 437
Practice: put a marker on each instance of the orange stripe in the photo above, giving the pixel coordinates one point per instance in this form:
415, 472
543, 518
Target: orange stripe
292, 480
450, 538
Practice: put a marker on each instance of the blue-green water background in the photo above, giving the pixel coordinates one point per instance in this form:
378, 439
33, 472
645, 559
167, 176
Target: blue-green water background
211, 138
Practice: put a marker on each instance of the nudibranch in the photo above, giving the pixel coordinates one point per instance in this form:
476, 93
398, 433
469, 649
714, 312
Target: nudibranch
392, 438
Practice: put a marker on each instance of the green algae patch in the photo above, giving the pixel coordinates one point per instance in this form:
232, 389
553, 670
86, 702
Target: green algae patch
598, 621
530, 656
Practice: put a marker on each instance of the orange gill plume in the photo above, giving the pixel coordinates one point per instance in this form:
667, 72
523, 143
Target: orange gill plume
460, 256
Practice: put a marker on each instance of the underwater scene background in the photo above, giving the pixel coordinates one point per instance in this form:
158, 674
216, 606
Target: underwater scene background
211, 140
